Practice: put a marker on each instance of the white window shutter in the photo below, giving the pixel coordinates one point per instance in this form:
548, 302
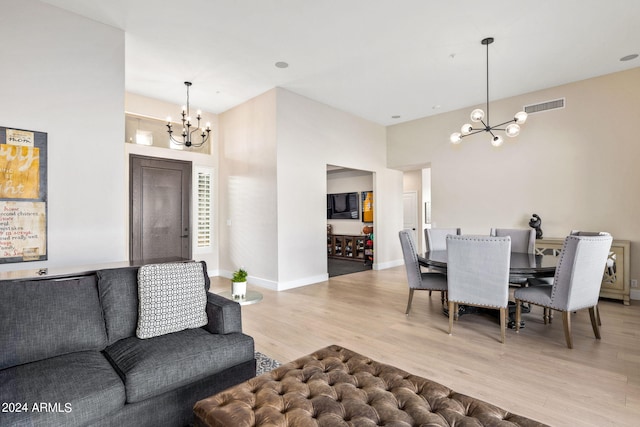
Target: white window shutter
204, 209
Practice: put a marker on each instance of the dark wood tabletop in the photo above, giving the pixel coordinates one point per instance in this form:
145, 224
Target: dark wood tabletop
523, 265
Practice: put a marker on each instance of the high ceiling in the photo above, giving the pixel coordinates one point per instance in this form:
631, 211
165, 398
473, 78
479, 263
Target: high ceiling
374, 58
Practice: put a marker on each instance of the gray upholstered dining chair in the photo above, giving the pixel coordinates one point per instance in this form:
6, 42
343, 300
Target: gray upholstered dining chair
548, 281
478, 274
576, 284
436, 238
522, 240
417, 279
588, 233
610, 266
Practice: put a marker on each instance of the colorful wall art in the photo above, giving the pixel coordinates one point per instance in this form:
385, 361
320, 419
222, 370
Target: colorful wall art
23, 195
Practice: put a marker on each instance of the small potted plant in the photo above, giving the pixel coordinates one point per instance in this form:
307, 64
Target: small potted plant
239, 283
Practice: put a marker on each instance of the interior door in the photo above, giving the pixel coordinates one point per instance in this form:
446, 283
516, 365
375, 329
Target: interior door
410, 214
160, 192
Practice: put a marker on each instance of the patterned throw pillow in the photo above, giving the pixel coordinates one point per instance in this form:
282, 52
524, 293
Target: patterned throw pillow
172, 298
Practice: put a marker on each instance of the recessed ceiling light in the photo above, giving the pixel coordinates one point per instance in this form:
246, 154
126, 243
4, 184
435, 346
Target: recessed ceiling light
436, 107
629, 57
281, 64
395, 117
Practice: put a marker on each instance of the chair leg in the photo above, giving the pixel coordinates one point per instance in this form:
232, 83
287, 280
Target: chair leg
410, 299
503, 323
598, 315
443, 297
452, 310
566, 320
593, 313
518, 315
429, 293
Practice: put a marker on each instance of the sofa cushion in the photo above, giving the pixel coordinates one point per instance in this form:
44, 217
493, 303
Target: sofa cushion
118, 288
172, 297
47, 318
153, 366
68, 390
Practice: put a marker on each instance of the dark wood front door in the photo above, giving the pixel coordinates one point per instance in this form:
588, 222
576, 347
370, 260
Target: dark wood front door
160, 208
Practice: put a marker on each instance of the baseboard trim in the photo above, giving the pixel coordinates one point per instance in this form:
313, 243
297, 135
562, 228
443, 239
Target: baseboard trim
298, 283
389, 264
283, 286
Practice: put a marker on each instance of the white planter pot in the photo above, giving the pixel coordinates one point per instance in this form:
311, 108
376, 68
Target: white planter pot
238, 289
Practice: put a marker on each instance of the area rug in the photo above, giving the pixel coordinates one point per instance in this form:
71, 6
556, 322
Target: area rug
265, 363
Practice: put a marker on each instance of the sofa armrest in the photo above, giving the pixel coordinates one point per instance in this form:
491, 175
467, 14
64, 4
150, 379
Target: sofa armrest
224, 315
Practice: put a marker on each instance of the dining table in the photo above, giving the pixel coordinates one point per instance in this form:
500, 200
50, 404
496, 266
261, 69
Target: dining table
521, 266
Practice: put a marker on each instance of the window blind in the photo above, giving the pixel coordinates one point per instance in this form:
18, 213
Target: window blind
204, 209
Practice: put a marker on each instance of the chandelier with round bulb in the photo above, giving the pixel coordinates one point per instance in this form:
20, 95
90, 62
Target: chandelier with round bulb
511, 127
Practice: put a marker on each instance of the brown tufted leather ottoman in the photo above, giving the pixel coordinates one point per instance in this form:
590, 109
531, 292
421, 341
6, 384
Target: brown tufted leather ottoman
337, 387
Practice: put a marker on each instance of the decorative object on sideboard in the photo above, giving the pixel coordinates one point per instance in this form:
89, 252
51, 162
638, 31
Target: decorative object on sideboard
535, 222
511, 130
239, 283
187, 126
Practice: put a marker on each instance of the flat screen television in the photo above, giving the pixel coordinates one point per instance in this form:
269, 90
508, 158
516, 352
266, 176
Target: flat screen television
343, 206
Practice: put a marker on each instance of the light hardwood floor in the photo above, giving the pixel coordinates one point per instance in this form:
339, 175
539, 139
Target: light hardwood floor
534, 374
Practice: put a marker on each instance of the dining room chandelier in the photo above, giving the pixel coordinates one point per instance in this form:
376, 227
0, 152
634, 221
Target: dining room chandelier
511, 127
188, 128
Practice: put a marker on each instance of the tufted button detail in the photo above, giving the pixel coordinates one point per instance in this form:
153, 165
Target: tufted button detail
371, 393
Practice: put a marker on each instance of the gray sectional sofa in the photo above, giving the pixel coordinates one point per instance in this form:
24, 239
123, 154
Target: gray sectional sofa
69, 355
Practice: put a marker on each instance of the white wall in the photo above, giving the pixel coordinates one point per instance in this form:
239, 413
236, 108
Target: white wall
64, 75
576, 167
248, 201
311, 136
273, 168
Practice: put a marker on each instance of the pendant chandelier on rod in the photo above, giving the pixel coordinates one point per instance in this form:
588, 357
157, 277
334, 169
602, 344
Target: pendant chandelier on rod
188, 129
478, 116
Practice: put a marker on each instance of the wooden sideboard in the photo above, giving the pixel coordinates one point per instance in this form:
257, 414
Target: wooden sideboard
357, 248
615, 279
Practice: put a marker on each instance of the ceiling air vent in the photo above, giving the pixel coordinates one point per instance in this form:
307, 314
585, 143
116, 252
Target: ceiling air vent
544, 106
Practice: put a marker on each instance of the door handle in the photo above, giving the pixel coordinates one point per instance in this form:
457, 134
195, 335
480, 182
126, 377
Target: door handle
186, 235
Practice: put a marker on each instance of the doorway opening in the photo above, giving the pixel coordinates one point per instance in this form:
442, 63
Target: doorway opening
350, 220
417, 203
